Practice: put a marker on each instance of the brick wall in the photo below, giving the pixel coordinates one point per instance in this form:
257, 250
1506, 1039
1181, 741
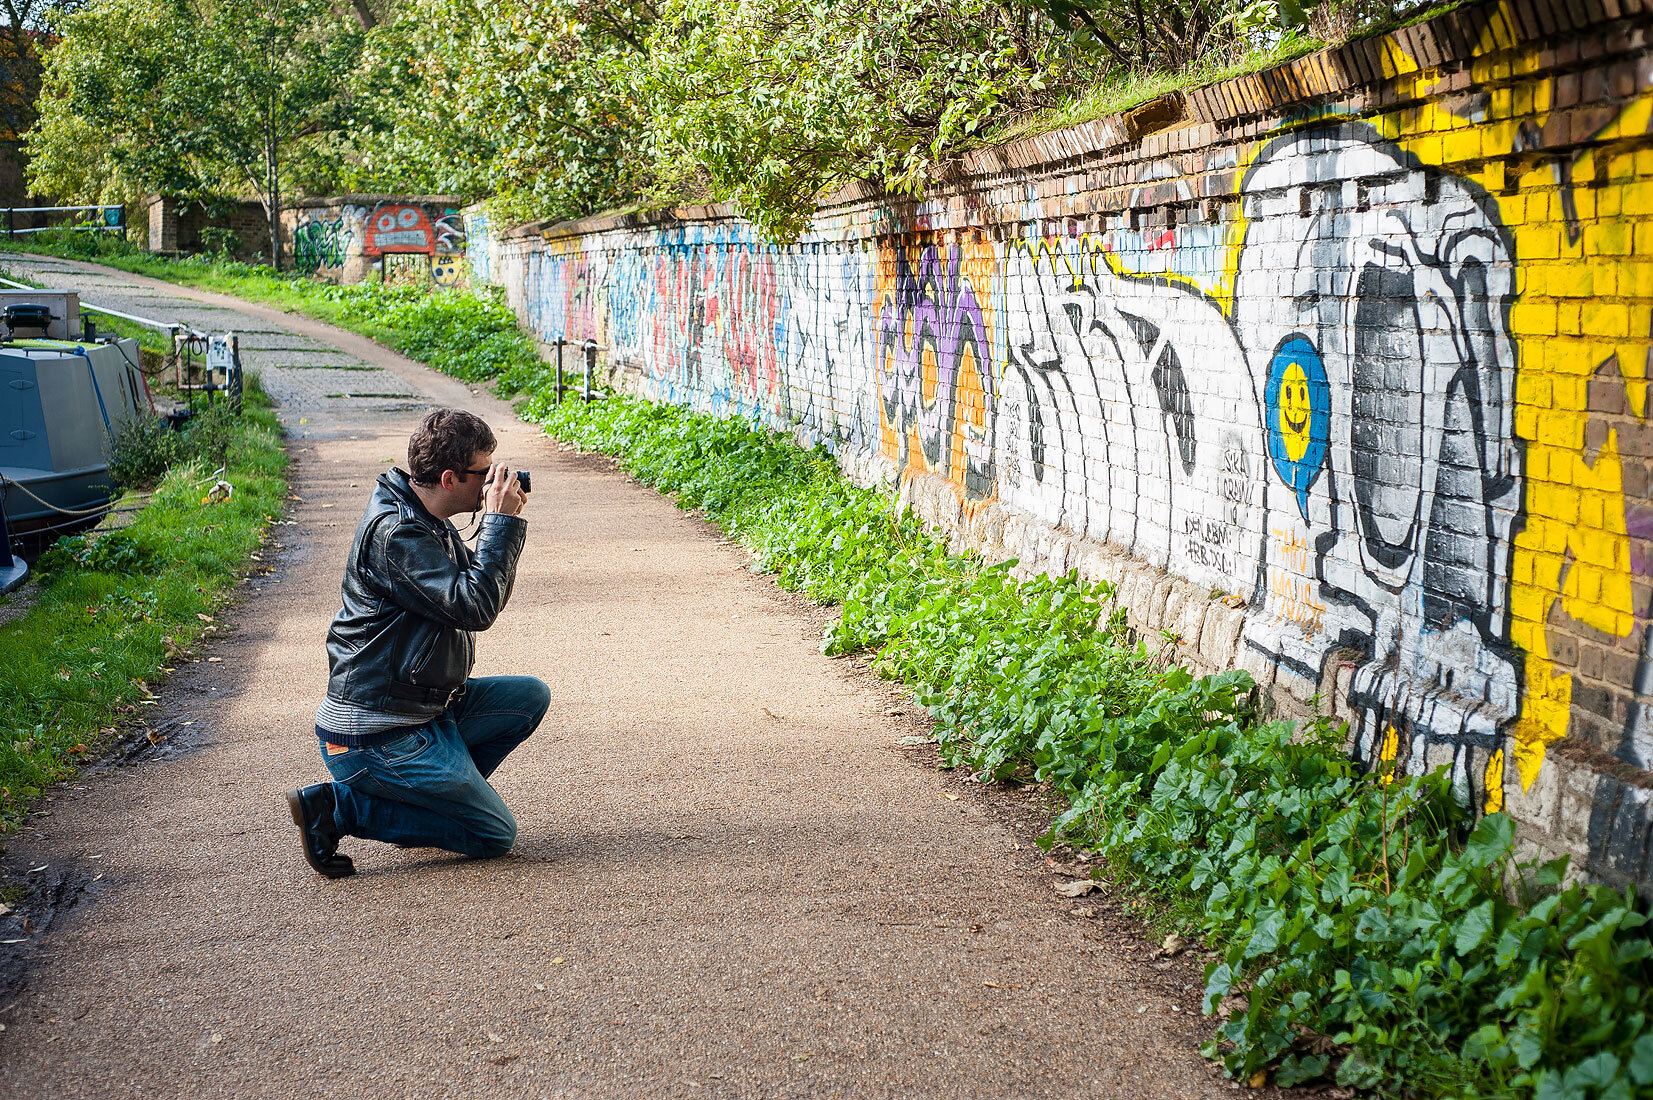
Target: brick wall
177, 225
342, 239
1340, 371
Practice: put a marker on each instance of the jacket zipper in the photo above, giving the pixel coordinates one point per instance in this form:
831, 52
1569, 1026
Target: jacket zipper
423, 657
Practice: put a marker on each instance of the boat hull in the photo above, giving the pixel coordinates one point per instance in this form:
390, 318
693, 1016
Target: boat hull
61, 406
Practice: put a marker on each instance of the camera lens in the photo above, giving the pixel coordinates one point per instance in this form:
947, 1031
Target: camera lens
522, 479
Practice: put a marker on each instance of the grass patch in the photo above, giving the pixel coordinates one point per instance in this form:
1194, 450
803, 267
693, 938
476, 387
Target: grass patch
1124, 91
148, 339
113, 612
1121, 93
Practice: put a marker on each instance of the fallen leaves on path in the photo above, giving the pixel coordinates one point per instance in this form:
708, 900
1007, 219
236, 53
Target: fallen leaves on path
1076, 889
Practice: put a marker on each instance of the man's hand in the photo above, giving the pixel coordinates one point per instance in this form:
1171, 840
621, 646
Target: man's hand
501, 493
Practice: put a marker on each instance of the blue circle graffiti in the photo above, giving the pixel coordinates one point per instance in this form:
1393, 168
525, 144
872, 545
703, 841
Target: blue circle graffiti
1298, 402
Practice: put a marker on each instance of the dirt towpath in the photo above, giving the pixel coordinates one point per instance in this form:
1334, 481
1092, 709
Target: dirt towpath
730, 882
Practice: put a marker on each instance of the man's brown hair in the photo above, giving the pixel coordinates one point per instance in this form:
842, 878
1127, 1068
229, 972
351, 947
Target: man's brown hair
447, 439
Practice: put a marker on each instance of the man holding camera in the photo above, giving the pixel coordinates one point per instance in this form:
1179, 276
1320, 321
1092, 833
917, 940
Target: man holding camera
409, 736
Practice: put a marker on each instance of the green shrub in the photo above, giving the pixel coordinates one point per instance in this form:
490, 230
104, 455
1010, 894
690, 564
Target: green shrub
220, 241
115, 552
146, 447
209, 434
143, 450
79, 244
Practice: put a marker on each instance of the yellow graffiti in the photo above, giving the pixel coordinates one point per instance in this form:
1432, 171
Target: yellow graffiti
445, 269
1290, 591
1581, 300
1493, 782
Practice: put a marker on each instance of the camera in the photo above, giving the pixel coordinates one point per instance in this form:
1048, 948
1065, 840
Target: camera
522, 480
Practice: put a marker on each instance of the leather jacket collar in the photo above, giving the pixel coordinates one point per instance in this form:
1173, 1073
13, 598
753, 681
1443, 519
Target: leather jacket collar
397, 482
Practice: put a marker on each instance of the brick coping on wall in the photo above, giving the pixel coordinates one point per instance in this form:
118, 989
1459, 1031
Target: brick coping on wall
364, 199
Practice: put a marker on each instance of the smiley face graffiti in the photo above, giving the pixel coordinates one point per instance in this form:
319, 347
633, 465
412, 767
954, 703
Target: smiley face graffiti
1295, 411
1299, 415
445, 269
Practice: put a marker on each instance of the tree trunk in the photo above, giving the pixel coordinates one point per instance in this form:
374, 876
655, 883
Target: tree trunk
273, 207
364, 14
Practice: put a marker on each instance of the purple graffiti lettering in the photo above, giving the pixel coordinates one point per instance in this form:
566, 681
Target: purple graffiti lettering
933, 320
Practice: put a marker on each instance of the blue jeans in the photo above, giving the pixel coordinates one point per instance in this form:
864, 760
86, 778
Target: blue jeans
429, 788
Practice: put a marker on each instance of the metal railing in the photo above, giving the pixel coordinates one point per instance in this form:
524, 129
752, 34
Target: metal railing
111, 219
590, 349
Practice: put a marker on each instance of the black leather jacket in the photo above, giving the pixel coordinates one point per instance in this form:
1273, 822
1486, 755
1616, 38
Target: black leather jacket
402, 643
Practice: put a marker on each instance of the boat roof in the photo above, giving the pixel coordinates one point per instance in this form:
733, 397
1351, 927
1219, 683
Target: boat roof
58, 346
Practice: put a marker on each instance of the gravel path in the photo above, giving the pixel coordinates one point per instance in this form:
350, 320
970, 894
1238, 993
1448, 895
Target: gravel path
730, 881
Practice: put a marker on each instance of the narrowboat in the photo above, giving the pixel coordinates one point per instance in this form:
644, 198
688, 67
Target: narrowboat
62, 402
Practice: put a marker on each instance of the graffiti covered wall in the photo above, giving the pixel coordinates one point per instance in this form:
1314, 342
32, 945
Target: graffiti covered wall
421, 238
1342, 378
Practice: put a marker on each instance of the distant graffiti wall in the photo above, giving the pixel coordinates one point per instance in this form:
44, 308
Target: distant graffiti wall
1343, 378
420, 239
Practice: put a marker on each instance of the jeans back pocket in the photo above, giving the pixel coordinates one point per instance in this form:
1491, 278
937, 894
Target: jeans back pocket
405, 747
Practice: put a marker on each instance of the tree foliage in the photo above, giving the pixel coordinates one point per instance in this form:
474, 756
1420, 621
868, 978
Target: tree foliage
777, 102
562, 108
195, 98
533, 101
28, 30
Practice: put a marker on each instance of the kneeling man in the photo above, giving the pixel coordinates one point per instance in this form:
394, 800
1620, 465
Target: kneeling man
409, 737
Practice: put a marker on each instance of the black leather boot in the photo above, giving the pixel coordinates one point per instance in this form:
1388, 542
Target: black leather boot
312, 808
